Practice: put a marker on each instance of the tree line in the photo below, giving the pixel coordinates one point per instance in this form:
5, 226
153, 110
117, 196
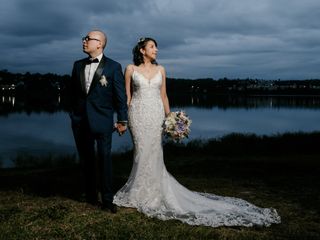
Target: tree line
44, 85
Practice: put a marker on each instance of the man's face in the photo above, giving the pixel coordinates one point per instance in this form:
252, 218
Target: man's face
92, 43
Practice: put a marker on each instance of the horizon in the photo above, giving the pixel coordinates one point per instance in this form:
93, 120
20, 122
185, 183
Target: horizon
168, 77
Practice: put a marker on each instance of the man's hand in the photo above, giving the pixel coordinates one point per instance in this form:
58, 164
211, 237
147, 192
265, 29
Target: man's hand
121, 128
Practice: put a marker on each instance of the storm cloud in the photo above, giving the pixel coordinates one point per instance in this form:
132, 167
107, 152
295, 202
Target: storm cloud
267, 39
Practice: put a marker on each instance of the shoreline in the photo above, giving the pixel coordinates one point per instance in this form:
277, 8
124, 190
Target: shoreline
234, 144
48, 203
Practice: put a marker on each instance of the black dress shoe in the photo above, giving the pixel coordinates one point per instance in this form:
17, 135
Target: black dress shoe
109, 206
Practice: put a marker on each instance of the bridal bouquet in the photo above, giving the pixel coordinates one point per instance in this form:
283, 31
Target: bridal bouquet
177, 126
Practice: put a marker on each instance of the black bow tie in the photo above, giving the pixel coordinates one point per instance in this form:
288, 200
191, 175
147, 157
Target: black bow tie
90, 60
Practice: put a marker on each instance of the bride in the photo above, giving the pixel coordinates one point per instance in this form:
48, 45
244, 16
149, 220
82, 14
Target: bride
150, 188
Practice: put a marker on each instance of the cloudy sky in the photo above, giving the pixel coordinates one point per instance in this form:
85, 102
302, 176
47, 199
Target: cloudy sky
265, 39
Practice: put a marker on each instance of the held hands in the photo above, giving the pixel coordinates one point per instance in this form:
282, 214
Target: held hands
120, 128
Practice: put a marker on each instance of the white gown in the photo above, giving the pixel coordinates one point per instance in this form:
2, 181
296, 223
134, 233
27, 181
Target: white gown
153, 191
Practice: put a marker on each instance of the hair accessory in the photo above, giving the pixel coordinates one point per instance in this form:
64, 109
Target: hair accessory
141, 40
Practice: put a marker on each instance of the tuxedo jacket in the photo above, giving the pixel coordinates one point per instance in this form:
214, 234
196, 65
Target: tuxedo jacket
103, 98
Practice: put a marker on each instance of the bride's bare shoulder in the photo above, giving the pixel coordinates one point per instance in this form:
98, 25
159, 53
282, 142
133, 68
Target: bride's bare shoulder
162, 69
130, 68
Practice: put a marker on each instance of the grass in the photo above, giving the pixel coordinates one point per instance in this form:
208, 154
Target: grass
47, 203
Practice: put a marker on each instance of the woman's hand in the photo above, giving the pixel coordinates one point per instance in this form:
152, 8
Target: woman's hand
121, 128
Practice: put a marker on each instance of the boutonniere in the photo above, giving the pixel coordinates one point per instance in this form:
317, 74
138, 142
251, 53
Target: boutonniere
103, 81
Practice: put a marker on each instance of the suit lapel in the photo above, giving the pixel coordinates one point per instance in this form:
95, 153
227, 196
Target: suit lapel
97, 74
82, 77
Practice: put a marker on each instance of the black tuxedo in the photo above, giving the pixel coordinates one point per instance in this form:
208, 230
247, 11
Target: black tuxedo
92, 121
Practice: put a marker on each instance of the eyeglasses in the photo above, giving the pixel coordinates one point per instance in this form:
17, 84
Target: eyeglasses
87, 39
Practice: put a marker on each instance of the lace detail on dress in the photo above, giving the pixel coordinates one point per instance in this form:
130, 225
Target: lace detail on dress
153, 191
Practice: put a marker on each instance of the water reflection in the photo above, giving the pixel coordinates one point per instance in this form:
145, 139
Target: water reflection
42, 126
218, 122
8, 100
17, 104
12, 104
240, 101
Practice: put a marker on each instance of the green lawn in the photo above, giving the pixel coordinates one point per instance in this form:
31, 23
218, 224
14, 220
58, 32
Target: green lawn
48, 203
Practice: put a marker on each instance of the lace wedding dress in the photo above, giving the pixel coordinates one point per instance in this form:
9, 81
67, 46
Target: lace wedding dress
153, 191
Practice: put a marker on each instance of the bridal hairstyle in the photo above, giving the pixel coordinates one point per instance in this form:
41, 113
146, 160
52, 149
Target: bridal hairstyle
137, 55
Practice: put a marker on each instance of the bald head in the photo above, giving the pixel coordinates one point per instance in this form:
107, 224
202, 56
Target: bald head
102, 37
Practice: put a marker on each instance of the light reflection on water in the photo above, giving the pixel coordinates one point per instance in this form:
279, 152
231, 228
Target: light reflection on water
45, 133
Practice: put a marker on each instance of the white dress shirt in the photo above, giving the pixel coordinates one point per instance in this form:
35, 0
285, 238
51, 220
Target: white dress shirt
89, 71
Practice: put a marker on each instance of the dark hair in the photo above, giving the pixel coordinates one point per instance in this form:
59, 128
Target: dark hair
137, 55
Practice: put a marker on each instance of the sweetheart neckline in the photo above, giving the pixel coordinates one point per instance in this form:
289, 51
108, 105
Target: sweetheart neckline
146, 77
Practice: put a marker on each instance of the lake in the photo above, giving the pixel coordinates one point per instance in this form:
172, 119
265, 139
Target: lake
38, 130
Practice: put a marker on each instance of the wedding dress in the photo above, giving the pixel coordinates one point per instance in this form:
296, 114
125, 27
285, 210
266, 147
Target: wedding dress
153, 191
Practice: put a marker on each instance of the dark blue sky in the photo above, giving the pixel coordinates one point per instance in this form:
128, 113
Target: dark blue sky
265, 39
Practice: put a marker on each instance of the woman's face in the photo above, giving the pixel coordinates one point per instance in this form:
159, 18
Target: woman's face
150, 51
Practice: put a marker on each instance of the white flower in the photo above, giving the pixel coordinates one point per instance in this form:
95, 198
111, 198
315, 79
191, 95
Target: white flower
103, 81
176, 126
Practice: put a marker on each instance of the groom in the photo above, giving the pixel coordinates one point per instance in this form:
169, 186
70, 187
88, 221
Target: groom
96, 90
